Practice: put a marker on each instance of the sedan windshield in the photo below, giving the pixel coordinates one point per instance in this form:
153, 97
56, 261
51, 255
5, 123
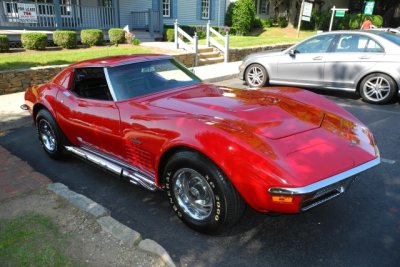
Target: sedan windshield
142, 78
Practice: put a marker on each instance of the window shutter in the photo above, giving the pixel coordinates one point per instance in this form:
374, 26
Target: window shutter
198, 15
174, 9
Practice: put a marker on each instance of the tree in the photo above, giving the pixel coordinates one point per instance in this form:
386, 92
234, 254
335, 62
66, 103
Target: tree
243, 16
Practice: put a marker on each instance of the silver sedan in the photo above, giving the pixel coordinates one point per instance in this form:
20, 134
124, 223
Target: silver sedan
367, 62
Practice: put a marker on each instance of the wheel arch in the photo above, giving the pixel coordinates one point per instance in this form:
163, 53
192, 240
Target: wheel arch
169, 153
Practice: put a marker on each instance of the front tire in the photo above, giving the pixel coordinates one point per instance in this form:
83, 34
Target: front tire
378, 88
200, 194
50, 135
256, 75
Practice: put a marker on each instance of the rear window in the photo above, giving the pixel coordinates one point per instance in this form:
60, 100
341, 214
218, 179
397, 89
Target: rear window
393, 37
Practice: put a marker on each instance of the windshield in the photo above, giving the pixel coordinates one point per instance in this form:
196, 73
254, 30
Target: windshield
142, 78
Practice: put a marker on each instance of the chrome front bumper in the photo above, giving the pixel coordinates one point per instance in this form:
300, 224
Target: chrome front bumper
327, 189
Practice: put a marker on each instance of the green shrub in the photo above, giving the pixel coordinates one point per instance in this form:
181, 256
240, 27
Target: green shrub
65, 39
201, 34
229, 14
257, 23
283, 22
92, 37
377, 20
34, 40
135, 41
4, 46
116, 35
268, 22
355, 21
243, 16
170, 34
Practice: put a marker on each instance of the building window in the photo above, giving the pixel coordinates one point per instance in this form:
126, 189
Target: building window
166, 8
264, 7
205, 9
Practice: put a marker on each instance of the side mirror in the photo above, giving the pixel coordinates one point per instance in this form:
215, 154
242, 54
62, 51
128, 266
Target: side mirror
292, 53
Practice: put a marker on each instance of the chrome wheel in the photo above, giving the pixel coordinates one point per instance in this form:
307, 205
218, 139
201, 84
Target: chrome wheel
47, 136
193, 193
376, 89
256, 75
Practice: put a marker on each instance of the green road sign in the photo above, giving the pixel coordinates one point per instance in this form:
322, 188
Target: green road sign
369, 8
339, 13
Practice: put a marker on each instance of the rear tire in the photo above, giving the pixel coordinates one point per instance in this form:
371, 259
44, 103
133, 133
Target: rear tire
200, 194
256, 75
378, 88
50, 135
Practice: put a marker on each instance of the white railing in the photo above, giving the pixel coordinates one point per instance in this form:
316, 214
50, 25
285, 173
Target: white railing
185, 41
224, 47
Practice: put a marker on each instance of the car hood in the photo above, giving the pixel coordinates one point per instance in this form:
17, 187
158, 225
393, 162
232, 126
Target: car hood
269, 114
269, 53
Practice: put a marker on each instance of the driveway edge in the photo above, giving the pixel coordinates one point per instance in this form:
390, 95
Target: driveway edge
109, 224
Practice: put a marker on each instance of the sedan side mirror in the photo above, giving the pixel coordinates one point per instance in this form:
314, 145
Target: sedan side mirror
292, 52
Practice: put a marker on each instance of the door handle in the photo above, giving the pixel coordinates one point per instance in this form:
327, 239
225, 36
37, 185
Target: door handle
317, 58
364, 57
82, 104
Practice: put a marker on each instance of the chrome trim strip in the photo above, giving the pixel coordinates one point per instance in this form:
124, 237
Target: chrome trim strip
109, 84
326, 182
134, 175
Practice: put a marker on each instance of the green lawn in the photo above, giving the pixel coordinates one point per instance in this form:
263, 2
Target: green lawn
267, 36
32, 240
19, 60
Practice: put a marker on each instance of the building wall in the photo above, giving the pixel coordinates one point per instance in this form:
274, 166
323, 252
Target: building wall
188, 12
127, 6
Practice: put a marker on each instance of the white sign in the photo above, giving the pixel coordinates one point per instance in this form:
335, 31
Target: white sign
307, 9
27, 13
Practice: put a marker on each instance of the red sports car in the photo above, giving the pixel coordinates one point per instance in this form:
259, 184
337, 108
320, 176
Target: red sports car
212, 149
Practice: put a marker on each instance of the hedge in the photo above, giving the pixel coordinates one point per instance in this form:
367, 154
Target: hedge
116, 35
34, 40
4, 46
92, 37
65, 39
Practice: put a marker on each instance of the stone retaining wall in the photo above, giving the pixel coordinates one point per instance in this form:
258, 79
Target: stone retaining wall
237, 54
18, 80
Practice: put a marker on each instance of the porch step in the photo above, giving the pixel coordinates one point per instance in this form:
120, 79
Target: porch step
205, 49
212, 54
212, 60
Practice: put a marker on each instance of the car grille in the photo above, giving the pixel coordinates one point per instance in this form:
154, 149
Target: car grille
326, 193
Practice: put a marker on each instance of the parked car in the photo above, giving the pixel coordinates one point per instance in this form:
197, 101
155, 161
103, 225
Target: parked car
367, 62
212, 149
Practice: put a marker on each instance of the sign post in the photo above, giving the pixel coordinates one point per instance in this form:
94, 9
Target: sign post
305, 14
27, 13
337, 12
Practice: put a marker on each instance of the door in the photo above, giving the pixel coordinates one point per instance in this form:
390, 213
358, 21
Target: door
305, 65
352, 56
88, 115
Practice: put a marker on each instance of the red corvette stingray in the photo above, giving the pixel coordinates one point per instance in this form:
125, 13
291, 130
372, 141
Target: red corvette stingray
212, 149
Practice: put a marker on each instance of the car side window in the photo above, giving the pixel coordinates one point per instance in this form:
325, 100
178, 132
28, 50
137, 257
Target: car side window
91, 83
373, 47
318, 44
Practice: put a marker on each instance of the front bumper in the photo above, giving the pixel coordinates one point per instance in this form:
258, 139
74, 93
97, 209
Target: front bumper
317, 193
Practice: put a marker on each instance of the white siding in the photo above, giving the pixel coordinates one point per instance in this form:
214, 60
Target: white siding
127, 6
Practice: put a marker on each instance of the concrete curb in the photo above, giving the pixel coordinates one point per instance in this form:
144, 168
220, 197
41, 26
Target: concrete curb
109, 224
221, 78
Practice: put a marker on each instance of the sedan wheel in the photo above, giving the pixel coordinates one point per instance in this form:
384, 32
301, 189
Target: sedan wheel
377, 88
200, 194
256, 75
